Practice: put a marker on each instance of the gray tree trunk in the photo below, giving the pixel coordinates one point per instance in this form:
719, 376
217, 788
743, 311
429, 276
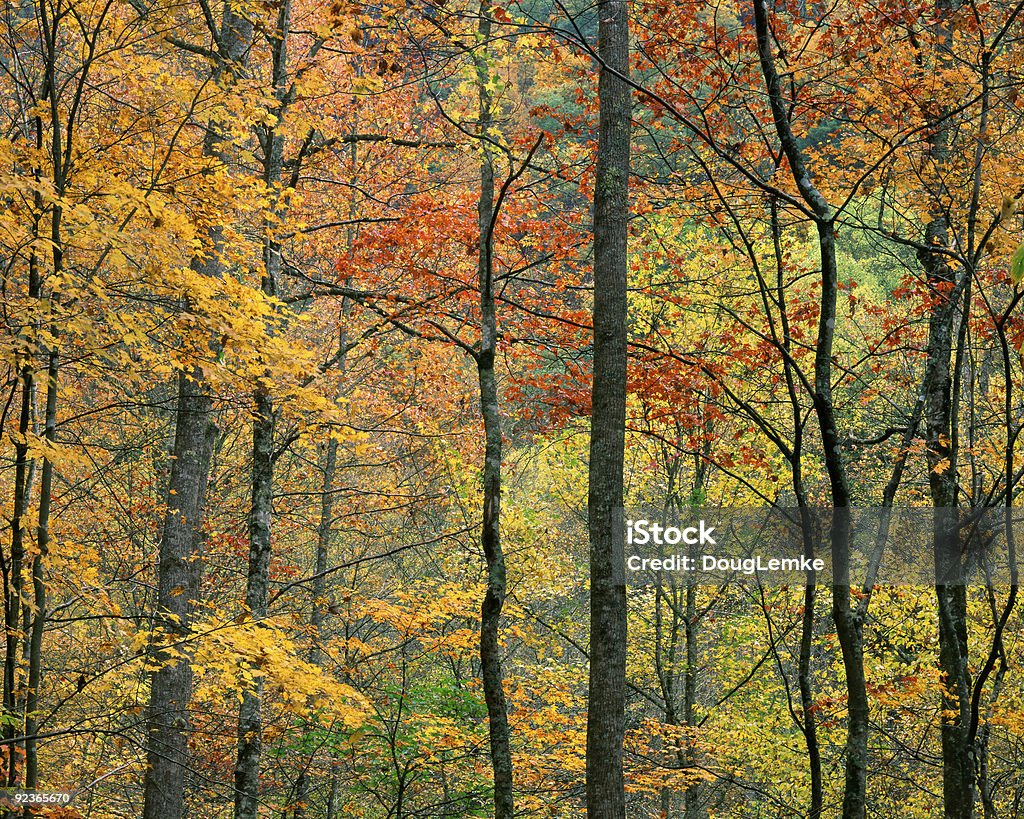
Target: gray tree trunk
59, 165
177, 587
35, 676
318, 590
250, 721
950, 593
607, 693
940, 439
178, 582
490, 534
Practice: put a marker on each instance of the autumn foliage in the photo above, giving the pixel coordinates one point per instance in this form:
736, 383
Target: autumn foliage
294, 233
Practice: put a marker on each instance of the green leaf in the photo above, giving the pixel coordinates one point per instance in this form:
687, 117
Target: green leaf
1017, 265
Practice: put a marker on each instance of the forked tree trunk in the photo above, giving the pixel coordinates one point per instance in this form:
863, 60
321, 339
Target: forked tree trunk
848, 619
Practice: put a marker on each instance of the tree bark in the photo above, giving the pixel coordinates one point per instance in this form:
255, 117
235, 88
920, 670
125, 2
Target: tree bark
13, 582
848, 619
42, 543
57, 158
14, 608
318, 589
250, 721
490, 410
950, 593
178, 584
607, 693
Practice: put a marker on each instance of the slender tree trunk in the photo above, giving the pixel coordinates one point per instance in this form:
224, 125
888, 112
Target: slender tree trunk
39, 582
250, 724
805, 672
951, 597
848, 619
494, 597
490, 534
319, 588
950, 593
607, 698
35, 646
13, 603
14, 607
250, 721
805, 679
42, 537
694, 798
940, 439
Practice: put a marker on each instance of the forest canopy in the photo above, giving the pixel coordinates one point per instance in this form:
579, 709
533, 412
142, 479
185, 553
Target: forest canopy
339, 340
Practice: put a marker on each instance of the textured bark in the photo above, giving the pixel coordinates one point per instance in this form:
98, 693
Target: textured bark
490, 534
323, 550
168, 719
607, 693
50, 434
39, 577
250, 721
14, 608
805, 681
950, 593
318, 589
13, 584
805, 672
848, 619
940, 439
951, 599
178, 582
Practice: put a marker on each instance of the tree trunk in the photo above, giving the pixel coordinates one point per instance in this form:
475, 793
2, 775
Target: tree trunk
178, 585
950, 593
14, 608
179, 570
318, 590
250, 724
490, 534
848, 619
607, 694
805, 679
13, 584
50, 434
39, 575
940, 439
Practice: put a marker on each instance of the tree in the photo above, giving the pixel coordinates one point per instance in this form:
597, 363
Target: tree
194, 436
490, 409
606, 700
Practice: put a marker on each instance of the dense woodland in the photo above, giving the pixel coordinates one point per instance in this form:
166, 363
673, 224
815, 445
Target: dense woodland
334, 334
